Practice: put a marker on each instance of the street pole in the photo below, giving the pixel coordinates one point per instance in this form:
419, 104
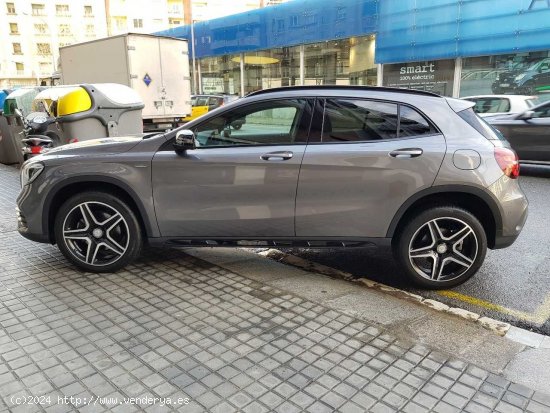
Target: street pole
193, 56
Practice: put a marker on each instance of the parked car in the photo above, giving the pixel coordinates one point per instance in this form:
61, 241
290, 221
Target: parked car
528, 133
410, 169
498, 105
523, 79
201, 104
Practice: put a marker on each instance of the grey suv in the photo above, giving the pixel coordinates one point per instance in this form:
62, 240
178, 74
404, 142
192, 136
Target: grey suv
310, 167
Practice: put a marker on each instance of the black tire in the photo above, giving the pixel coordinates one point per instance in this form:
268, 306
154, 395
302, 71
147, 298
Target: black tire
112, 240
460, 258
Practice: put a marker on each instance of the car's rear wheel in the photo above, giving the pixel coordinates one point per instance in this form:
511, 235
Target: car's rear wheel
98, 232
441, 247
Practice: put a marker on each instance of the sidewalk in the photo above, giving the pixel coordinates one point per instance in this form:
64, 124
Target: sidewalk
226, 330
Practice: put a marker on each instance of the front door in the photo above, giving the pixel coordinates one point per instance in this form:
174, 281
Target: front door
369, 159
241, 179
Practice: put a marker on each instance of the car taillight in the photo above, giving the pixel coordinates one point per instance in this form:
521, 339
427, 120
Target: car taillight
508, 161
35, 150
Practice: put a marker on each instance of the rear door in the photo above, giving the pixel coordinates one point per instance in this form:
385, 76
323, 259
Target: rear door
370, 157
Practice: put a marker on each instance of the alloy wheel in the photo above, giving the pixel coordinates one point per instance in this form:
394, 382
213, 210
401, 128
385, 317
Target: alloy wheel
443, 249
96, 233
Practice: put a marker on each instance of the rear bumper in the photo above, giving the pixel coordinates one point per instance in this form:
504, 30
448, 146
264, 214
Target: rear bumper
514, 210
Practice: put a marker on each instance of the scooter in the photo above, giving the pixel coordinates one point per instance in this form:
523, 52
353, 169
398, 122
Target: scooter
37, 139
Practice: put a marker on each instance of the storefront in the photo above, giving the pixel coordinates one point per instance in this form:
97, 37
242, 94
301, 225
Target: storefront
452, 47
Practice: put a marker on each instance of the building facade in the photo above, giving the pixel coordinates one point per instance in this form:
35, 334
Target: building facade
453, 47
33, 32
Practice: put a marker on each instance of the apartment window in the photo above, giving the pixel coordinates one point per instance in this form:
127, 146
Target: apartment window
64, 30
10, 8
20, 67
88, 12
38, 9
138, 23
62, 9
45, 68
90, 31
14, 29
121, 23
43, 49
17, 48
40, 29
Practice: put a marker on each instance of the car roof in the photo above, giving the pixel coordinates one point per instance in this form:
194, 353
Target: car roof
320, 90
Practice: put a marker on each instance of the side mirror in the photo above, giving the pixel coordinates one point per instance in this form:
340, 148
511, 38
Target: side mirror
528, 114
185, 139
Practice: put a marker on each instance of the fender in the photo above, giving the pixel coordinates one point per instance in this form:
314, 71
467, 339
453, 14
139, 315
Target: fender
92, 179
443, 189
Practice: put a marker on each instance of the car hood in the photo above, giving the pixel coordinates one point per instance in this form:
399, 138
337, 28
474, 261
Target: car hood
119, 144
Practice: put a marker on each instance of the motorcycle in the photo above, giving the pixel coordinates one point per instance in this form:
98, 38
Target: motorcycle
37, 139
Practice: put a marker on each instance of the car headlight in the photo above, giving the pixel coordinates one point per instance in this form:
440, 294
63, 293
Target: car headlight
519, 77
30, 171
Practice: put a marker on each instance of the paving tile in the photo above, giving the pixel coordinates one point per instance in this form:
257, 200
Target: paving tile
172, 324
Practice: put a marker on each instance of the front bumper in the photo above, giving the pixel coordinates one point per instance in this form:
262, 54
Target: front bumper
30, 216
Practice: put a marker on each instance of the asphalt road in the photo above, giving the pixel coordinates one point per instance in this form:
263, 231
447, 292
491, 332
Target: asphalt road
513, 284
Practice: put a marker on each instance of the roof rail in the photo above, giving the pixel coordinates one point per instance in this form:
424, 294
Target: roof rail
340, 87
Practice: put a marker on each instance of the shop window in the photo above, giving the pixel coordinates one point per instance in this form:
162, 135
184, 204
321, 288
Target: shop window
520, 74
432, 76
348, 120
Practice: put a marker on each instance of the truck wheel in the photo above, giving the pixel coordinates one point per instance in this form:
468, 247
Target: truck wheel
98, 232
441, 247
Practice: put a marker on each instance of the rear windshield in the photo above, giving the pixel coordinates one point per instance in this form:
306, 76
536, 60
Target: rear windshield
480, 125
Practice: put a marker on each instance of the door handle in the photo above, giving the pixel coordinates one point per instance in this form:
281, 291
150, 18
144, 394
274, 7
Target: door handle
282, 155
406, 153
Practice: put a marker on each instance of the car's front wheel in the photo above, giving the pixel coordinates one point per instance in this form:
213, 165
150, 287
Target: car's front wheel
441, 247
98, 232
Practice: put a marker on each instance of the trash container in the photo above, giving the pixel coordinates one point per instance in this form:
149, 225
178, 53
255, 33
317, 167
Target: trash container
99, 110
3, 94
11, 124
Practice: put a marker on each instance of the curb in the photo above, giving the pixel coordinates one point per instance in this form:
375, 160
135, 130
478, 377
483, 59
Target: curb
498, 327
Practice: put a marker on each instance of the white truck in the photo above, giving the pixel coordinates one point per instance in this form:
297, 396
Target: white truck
156, 67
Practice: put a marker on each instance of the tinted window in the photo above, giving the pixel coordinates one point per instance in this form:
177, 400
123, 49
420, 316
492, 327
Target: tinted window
480, 125
267, 123
412, 123
358, 120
